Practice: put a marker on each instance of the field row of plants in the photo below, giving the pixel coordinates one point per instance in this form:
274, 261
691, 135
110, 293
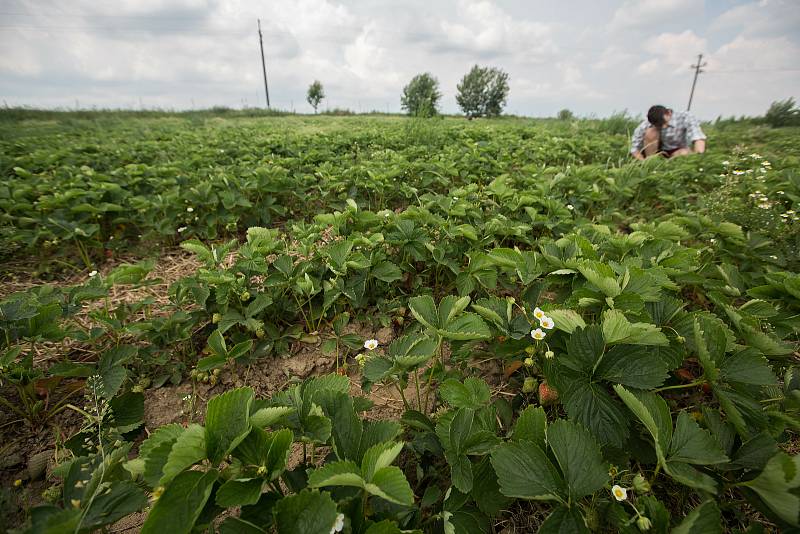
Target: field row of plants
644, 316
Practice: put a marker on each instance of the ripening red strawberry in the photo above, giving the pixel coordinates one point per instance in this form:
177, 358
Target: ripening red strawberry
685, 374
547, 394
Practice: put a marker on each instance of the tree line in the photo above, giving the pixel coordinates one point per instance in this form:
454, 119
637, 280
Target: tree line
482, 92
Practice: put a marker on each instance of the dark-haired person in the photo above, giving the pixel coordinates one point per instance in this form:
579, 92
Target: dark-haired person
667, 133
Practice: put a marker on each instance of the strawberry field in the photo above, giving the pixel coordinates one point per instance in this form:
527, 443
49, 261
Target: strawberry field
380, 325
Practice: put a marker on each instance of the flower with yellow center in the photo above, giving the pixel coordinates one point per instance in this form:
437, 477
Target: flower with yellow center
538, 313
546, 322
537, 334
371, 344
619, 492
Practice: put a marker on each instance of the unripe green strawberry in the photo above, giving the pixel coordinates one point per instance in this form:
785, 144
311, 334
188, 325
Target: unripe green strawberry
640, 484
245, 296
530, 385
643, 523
547, 395
260, 333
216, 318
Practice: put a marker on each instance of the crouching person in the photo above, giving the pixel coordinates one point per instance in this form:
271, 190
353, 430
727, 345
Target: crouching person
667, 133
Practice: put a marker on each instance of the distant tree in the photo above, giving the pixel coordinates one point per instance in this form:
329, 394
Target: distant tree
315, 94
783, 113
482, 92
421, 96
565, 115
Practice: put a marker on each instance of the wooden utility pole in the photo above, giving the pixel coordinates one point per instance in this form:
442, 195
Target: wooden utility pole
263, 64
698, 68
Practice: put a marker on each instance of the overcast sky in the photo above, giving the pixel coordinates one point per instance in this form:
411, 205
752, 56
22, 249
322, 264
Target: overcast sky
591, 56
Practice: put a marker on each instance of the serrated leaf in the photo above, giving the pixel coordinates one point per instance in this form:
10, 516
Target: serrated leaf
703, 519
601, 276
564, 520
653, 412
465, 327
591, 405
472, 393
120, 499
227, 422
566, 320
387, 272
579, 457
340, 473
160, 435
777, 486
747, 367
188, 449
181, 503
524, 471
196, 247
617, 329
766, 343
423, 308
531, 426
308, 512
239, 492
217, 344
390, 483
379, 456
633, 366
585, 349
693, 445
689, 476
486, 490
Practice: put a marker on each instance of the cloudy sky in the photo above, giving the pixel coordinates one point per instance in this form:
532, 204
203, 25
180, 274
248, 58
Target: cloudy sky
591, 56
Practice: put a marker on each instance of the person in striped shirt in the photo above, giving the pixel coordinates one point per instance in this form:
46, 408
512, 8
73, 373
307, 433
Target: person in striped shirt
667, 133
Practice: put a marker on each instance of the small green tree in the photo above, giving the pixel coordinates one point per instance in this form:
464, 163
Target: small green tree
421, 96
315, 94
565, 115
482, 92
783, 113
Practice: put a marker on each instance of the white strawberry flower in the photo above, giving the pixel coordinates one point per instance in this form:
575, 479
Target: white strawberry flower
538, 334
190, 209
547, 323
538, 313
619, 492
93, 274
338, 525
371, 344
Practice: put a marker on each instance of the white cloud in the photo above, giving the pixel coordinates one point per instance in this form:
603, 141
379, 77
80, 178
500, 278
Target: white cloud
766, 18
578, 54
369, 61
651, 13
673, 51
485, 29
744, 53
